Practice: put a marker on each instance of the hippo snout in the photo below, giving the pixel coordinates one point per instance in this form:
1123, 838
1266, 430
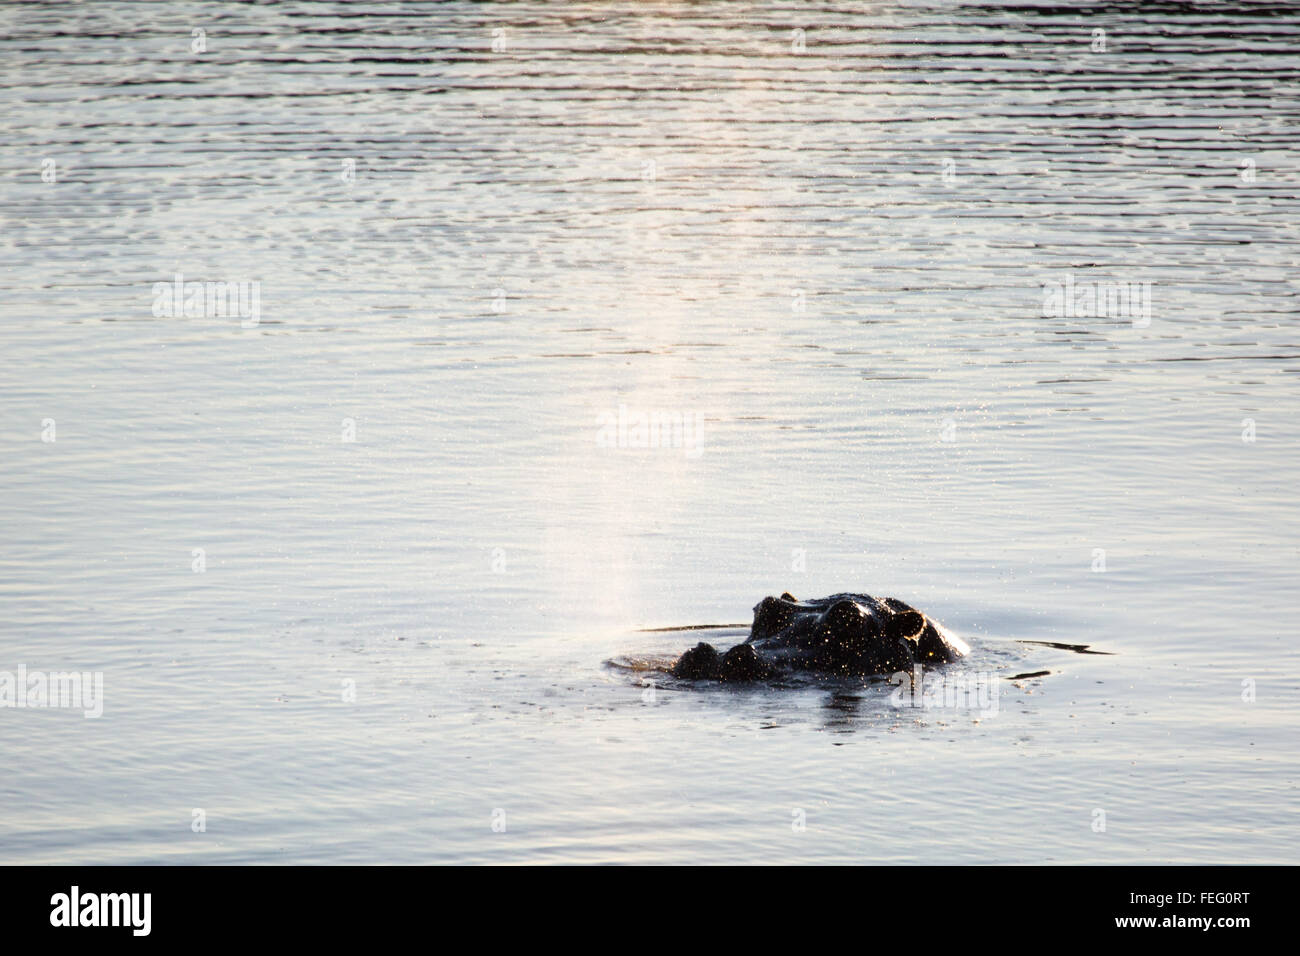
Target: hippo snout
740, 663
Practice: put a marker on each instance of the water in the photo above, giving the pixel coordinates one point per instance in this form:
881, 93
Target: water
833, 260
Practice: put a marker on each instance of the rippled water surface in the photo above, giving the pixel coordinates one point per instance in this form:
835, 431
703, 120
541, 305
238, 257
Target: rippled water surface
365, 573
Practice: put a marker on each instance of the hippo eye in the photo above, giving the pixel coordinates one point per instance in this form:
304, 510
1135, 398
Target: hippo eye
843, 615
770, 616
787, 596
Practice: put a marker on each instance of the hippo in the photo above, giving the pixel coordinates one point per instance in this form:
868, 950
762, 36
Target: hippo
850, 635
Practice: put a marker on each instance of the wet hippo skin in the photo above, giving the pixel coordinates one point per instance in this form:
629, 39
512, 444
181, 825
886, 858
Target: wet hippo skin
845, 634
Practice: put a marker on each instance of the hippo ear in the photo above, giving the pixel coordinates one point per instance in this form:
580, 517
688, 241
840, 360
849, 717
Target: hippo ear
905, 624
787, 596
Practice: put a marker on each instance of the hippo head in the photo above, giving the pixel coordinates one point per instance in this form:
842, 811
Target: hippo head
845, 633
848, 634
